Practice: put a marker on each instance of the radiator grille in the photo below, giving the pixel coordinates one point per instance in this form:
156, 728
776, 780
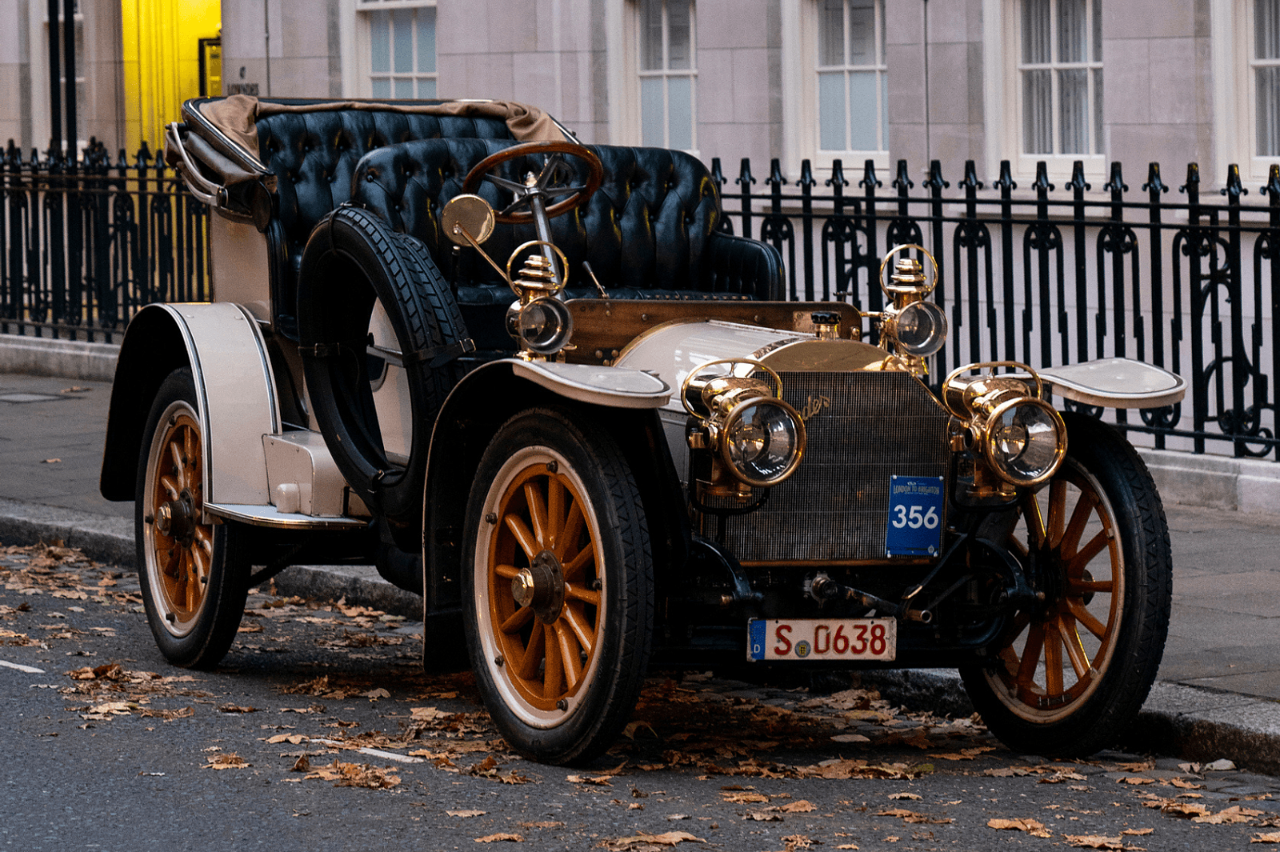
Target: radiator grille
835, 507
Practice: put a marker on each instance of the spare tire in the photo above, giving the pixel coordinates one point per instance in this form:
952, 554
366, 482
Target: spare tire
352, 260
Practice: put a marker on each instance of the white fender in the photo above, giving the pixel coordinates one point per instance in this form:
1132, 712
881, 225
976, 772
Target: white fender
235, 390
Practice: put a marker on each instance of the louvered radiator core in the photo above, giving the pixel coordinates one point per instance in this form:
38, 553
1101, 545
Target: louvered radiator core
864, 427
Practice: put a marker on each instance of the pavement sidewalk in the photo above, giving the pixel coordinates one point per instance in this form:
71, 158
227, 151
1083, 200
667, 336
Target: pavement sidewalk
1218, 692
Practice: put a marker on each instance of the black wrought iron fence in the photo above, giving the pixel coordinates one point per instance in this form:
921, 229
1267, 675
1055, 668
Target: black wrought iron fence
1183, 279
84, 245
1051, 276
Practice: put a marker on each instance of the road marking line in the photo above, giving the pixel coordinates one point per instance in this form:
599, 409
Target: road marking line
21, 668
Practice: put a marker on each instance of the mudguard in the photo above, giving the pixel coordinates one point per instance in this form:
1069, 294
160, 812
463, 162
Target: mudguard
235, 387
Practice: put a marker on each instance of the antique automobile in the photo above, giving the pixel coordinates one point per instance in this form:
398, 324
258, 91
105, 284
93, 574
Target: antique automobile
538, 383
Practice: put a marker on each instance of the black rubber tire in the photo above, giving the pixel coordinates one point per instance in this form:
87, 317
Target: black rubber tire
351, 259
1058, 723
195, 600
575, 723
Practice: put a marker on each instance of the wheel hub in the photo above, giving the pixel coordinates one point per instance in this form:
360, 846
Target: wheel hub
541, 587
176, 518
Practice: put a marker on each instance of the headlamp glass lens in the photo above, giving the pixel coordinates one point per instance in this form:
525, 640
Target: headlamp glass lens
922, 328
1025, 441
763, 442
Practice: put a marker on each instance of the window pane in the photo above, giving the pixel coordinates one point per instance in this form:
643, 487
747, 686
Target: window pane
680, 120
862, 32
1074, 113
1035, 31
679, 34
381, 87
884, 112
1267, 29
831, 33
651, 35
380, 42
426, 88
1037, 112
402, 31
1097, 31
1097, 111
427, 41
1073, 32
404, 89
1268, 112
652, 113
862, 111
831, 118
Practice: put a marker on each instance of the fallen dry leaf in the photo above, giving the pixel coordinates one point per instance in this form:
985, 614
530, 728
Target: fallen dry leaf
763, 816
1269, 837
466, 814
904, 796
913, 817
354, 775
1138, 832
227, 761
500, 838
1230, 816
800, 806
1030, 826
669, 838
1135, 780
747, 798
1095, 841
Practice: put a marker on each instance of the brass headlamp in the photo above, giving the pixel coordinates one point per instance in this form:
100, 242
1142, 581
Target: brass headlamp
756, 438
1011, 427
914, 328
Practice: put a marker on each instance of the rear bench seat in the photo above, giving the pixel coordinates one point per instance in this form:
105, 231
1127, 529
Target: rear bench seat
314, 156
649, 232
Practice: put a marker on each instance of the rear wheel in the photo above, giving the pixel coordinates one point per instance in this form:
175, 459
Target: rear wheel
1069, 674
559, 587
194, 575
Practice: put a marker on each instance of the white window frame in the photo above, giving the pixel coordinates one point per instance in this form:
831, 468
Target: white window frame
801, 130
622, 39
357, 73
41, 121
1003, 96
1235, 91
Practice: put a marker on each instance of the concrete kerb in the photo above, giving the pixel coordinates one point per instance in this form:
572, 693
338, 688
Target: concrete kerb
68, 359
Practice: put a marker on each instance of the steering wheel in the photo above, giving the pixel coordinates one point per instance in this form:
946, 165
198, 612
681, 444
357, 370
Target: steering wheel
538, 193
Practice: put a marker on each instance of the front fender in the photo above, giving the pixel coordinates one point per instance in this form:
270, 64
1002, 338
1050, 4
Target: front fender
235, 395
624, 402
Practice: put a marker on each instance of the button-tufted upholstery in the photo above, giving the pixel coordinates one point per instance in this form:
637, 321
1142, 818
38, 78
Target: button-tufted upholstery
648, 232
314, 157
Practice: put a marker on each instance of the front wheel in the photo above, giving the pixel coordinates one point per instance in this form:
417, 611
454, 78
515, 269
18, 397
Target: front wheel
1071, 673
194, 574
558, 586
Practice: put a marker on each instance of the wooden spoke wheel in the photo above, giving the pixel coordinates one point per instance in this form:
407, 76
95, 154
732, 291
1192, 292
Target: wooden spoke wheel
1070, 671
193, 576
559, 610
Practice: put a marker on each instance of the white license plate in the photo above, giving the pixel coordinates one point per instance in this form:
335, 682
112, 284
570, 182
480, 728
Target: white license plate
822, 639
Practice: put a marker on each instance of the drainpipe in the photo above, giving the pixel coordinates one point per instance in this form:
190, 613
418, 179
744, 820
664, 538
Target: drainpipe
266, 38
55, 80
928, 148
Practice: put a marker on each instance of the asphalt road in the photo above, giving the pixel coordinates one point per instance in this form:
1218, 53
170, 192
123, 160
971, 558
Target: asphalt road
108, 748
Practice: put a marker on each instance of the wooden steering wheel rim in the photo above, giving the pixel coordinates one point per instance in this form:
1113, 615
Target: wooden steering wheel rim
595, 175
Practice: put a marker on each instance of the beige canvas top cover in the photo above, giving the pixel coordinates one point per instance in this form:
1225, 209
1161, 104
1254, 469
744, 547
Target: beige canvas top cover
236, 116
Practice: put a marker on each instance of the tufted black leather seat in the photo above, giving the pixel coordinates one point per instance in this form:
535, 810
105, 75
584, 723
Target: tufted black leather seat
649, 232
314, 157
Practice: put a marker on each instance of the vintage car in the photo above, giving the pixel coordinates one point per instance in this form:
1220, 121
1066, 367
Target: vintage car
538, 383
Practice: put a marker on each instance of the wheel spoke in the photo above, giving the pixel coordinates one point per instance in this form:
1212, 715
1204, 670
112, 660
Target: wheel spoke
553, 675
1026, 677
577, 623
555, 515
506, 572
1075, 566
574, 567
578, 593
191, 580
537, 513
572, 531
518, 620
1076, 653
173, 564
528, 543
1082, 615
1079, 519
1081, 587
527, 667
179, 470
1052, 662
568, 656
171, 487
1034, 520
1057, 508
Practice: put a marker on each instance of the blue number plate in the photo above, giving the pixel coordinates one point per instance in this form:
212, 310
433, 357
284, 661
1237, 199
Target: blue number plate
915, 516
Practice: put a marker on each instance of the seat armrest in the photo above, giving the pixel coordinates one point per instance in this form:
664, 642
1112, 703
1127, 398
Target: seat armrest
739, 265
